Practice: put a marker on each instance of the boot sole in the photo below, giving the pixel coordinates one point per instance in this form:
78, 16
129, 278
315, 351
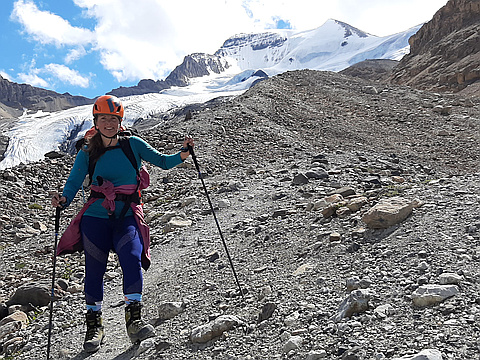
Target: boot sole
89, 348
143, 335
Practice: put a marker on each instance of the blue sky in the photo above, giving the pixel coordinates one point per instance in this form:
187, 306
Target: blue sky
88, 47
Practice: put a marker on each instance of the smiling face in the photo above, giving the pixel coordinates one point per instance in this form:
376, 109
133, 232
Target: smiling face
108, 125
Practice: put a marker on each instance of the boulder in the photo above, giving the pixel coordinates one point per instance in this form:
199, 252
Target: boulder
388, 212
427, 295
213, 329
36, 294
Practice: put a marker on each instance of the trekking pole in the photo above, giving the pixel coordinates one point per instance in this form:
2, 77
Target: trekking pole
190, 150
57, 227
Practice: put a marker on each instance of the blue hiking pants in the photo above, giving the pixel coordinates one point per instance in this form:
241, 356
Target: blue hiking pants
99, 237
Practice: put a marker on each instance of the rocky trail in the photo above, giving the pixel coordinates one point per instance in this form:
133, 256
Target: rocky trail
299, 169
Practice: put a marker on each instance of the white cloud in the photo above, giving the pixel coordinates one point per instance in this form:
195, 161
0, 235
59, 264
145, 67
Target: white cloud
75, 54
66, 75
48, 28
384, 18
150, 40
33, 79
50, 74
4, 75
301, 14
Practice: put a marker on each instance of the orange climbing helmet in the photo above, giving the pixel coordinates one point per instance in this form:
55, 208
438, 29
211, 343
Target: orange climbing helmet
108, 104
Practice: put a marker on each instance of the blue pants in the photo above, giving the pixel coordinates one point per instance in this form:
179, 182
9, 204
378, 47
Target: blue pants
99, 237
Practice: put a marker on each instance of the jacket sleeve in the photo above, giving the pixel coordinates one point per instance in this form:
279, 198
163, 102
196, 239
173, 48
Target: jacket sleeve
153, 156
76, 177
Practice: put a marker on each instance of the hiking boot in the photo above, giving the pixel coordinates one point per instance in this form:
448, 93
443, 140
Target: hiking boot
137, 329
95, 334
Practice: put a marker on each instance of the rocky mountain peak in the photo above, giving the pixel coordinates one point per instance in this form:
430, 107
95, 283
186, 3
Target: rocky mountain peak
19, 96
193, 65
350, 30
196, 65
445, 52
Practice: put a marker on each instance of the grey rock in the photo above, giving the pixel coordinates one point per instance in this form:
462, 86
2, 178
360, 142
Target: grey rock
214, 329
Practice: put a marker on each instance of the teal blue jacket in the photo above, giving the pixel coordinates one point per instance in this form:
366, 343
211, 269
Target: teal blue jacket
115, 167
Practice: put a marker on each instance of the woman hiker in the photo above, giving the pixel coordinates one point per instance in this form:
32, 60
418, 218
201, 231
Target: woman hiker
112, 218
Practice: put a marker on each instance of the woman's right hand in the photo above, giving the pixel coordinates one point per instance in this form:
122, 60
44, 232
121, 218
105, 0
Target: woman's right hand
58, 200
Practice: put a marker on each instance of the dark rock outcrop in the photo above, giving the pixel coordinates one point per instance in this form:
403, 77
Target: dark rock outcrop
144, 86
374, 69
7, 112
19, 96
445, 52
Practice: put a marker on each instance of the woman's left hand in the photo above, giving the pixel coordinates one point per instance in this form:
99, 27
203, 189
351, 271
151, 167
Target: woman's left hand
186, 143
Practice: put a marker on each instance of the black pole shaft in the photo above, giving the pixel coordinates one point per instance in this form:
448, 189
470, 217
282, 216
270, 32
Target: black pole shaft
50, 321
190, 150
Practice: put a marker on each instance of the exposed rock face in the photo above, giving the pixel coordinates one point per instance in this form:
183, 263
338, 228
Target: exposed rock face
194, 65
7, 112
372, 69
255, 41
144, 86
20, 96
445, 52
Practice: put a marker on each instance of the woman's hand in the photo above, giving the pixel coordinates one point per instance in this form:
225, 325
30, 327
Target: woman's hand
58, 201
187, 142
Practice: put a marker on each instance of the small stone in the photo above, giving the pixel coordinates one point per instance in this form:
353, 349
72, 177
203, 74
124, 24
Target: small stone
450, 279
316, 355
335, 237
144, 346
303, 269
292, 344
169, 310
300, 179
214, 329
267, 312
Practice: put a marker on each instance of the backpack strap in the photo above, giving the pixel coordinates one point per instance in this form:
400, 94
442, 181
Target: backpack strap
124, 142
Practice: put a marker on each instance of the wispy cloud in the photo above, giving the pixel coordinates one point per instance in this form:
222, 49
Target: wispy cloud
75, 54
135, 42
51, 74
48, 28
33, 79
66, 75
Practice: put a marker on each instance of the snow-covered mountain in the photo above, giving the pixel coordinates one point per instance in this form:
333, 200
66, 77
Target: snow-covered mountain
333, 46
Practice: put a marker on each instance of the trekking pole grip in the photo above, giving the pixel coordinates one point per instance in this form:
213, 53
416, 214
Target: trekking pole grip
190, 150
